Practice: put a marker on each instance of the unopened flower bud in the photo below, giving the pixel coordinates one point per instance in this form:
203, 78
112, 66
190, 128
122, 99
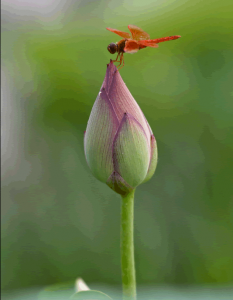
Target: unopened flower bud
119, 145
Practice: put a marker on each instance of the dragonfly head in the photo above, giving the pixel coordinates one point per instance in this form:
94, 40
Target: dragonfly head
112, 48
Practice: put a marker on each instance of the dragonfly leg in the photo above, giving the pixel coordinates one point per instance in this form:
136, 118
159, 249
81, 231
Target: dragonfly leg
116, 58
121, 59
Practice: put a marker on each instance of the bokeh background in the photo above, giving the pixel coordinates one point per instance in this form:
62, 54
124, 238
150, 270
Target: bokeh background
58, 221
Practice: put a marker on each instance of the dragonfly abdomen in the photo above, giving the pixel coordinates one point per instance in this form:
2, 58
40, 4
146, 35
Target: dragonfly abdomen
165, 39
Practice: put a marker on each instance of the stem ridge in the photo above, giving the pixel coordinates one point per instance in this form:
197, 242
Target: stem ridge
127, 247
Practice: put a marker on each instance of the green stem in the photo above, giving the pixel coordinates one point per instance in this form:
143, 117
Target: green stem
127, 247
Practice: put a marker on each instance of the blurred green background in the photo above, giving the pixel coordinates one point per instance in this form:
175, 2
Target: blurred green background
58, 221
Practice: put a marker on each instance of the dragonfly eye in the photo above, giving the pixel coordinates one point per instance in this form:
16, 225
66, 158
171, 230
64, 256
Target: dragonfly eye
112, 48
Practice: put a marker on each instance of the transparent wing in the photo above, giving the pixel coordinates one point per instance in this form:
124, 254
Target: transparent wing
148, 43
137, 33
125, 35
131, 46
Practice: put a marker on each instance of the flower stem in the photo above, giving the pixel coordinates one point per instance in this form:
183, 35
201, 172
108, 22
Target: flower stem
127, 247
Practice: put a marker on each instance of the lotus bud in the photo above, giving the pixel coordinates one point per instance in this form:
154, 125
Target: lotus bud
119, 145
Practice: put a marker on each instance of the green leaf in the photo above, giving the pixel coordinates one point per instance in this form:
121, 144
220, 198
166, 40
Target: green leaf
90, 295
61, 291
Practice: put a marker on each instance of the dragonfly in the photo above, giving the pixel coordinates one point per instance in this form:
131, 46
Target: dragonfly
138, 40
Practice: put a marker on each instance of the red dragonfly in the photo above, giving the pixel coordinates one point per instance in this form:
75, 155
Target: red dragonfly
131, 44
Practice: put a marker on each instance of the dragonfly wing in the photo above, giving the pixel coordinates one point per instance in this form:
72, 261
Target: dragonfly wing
137, 33
131, 46
125, 35
148, 43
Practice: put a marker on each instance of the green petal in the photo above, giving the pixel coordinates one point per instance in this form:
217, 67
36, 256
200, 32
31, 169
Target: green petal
123, 102
118, 184
153, 160
131, 151
101, 129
